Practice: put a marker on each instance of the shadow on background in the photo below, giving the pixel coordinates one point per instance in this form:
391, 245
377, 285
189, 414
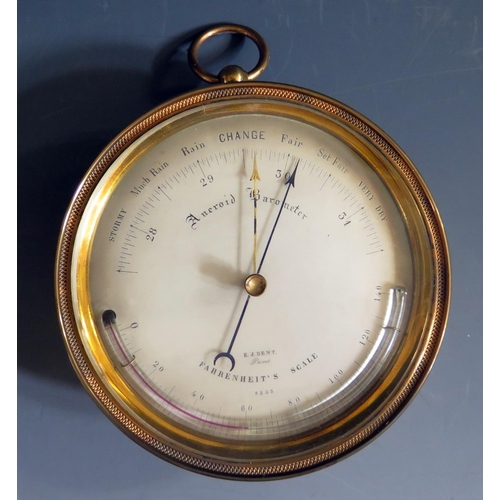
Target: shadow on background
64, 122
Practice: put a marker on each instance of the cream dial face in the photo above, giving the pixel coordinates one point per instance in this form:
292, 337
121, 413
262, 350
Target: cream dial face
177, 224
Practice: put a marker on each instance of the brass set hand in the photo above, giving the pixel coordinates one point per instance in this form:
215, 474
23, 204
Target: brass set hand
255, 284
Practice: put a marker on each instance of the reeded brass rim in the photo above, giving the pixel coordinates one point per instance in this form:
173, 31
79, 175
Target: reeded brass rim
397, 398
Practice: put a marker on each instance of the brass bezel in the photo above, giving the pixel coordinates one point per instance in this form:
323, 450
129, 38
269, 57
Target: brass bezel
345, 435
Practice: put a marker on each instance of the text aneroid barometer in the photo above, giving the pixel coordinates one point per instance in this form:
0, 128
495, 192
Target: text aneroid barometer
252, 279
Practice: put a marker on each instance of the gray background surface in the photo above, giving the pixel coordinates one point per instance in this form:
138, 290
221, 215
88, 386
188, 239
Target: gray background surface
86, 69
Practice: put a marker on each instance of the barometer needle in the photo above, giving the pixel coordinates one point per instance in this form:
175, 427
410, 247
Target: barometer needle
290, 182
228, 354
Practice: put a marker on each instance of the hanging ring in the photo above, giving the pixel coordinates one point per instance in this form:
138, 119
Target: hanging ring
229, 73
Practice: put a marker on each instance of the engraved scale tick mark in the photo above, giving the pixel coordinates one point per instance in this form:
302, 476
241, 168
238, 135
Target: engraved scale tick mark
356, 212
139, 229
162, 188
375, 251
329, 178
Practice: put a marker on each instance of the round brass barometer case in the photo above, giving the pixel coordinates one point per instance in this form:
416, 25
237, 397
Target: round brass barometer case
252, 279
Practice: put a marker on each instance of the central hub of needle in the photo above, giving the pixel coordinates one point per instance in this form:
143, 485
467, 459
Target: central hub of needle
255, 285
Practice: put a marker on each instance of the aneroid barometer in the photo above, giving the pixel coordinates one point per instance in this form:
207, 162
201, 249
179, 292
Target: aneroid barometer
252, 279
